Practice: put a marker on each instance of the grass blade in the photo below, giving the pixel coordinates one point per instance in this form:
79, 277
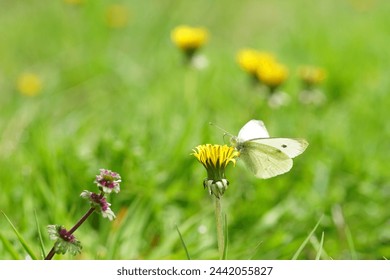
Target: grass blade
43, 254
8, 247
319, 252
350, 242
256, 249
317, 245
26, 247
183, 243
306, 240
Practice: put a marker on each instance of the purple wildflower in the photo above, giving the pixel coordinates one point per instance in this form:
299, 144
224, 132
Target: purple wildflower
108, 181
64, 241
100, 203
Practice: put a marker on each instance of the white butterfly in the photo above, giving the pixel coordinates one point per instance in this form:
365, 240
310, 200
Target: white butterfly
266, 157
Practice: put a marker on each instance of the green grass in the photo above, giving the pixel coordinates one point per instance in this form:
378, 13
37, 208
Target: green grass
121, 99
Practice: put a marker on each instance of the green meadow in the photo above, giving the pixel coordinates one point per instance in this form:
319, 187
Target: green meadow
121, 97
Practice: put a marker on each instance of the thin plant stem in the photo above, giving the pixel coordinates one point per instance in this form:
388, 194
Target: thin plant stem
50, 255
219, 223
81, 221
74, 228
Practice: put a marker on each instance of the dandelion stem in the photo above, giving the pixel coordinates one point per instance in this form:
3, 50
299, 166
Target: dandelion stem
219, 223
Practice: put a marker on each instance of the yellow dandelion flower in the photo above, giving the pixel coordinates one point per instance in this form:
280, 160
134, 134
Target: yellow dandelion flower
311, 75
29, 84
250, 60
117, 16
215, 159
272, 74
189, 39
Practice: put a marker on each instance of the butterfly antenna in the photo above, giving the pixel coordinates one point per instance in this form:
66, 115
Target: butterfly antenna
221, 129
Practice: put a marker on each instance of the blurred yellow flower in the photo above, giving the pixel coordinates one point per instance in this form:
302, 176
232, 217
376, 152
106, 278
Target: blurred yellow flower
272, 74
189, 39
29, 84
250, 60
311, 75
117, 16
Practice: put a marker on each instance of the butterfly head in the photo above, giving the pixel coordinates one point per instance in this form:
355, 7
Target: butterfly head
237, 143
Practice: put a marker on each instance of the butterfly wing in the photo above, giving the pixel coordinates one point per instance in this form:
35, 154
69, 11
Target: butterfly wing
266, 157
252, 130
263, 160
289, 146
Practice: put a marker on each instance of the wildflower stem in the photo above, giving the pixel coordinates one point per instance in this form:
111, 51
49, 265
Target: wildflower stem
219, 223
82, 220
51, 254
74, 228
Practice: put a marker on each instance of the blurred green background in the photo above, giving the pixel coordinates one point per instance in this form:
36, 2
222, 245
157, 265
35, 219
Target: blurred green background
115, 94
